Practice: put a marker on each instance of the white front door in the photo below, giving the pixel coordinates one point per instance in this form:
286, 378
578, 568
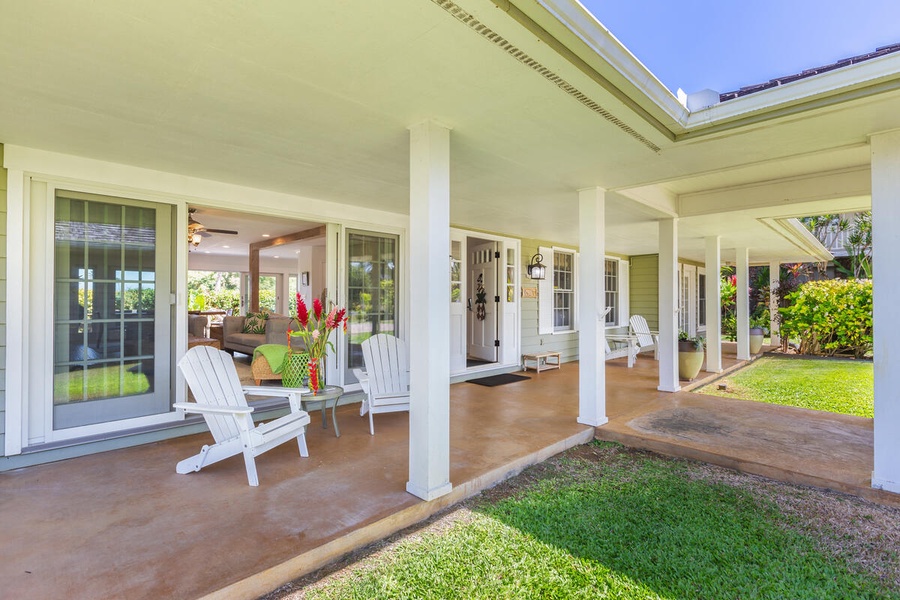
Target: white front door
483, 299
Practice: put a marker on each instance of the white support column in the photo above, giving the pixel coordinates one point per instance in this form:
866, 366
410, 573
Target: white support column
713, 305
886, 281
743, 303
429, 238
774, 282
668, 306
591, 308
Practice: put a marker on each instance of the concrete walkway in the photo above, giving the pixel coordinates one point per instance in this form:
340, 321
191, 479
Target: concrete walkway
124, 524
785, 443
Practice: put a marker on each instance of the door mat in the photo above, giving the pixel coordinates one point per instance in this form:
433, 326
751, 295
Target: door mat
495, 380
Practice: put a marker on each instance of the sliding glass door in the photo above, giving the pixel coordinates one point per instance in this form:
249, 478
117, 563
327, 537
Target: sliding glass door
111, 345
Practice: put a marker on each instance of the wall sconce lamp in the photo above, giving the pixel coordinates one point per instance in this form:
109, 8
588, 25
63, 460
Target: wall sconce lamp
536, 270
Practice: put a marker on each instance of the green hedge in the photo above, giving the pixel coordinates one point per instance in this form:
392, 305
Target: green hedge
831, 317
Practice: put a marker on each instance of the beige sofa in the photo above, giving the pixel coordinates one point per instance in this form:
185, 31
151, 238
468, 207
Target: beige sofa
197, 326
233, 340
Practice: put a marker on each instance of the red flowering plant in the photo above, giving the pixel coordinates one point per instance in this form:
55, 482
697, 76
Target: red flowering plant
315, 330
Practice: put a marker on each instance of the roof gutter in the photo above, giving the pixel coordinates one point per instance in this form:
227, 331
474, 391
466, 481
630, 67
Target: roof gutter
573, 58
796, 233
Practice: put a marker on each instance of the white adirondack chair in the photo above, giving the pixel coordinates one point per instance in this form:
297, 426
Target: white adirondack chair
386, 378
646, 339
623, 346
214, 381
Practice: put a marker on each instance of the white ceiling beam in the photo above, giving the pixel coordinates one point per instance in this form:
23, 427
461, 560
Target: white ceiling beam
853, 184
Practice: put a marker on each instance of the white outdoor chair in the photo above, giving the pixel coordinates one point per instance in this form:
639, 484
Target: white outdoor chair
623, 346
646, 339
219, 397
386, 378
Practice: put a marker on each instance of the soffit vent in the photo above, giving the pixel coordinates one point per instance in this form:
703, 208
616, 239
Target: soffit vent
498, 40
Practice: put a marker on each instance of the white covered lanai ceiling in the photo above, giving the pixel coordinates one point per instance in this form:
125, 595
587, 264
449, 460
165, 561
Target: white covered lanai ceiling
315, 98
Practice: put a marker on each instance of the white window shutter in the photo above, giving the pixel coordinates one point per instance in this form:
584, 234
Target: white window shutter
576, 285
545, 294
624, 301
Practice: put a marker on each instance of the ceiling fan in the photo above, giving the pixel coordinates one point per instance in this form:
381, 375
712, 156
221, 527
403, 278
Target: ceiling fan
197, 231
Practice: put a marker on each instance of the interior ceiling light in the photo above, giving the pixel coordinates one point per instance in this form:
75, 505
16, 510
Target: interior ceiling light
196, 231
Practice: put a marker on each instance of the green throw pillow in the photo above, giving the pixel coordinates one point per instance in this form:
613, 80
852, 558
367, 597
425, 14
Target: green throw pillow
255, 322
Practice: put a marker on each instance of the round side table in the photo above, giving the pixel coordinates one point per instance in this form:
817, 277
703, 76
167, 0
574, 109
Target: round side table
329, 393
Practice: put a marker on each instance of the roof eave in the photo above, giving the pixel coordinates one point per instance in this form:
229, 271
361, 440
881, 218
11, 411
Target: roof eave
579, 31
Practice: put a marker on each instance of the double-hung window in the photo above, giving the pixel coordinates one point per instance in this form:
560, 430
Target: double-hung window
611, 287
563, 291
556, 293
615, 292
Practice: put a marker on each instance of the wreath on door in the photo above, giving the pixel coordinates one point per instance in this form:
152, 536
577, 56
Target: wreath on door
480, 298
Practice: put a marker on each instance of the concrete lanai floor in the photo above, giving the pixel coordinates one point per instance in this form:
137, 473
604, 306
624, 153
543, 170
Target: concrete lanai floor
124, 524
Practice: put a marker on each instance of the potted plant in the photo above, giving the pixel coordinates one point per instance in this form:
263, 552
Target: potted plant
758, 331
690, 355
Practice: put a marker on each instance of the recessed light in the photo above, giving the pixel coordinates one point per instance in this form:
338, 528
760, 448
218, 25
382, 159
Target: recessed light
276, 257
266, 235
226, 246
207, 252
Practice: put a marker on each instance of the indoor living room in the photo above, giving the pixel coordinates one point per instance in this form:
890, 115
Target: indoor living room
244, 271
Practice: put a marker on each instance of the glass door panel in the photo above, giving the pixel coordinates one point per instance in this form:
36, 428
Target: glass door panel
268, 293
371, 298
111, 340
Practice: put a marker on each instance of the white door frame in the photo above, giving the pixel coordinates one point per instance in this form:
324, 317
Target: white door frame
509, 313
35, 396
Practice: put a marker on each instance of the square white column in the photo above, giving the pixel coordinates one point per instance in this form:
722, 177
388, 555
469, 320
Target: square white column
774, 282
713, 304
668, 306
591, 308
886, 289
429, 270
743, 303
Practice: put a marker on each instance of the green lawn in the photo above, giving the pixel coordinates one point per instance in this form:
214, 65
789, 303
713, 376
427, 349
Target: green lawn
102, 382
603, 521
840, 386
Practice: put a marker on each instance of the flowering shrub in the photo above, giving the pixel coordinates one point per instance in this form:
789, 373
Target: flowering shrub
831, 317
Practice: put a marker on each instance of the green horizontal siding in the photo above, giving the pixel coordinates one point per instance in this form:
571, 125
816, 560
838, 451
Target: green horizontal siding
644, 288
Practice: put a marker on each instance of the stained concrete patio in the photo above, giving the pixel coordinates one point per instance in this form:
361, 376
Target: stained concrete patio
124, 524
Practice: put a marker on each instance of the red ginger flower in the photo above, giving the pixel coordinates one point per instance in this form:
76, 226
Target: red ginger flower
302, 312
317, 309
330, 322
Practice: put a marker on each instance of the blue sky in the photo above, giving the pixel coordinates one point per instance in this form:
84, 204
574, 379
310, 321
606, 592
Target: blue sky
723, 45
